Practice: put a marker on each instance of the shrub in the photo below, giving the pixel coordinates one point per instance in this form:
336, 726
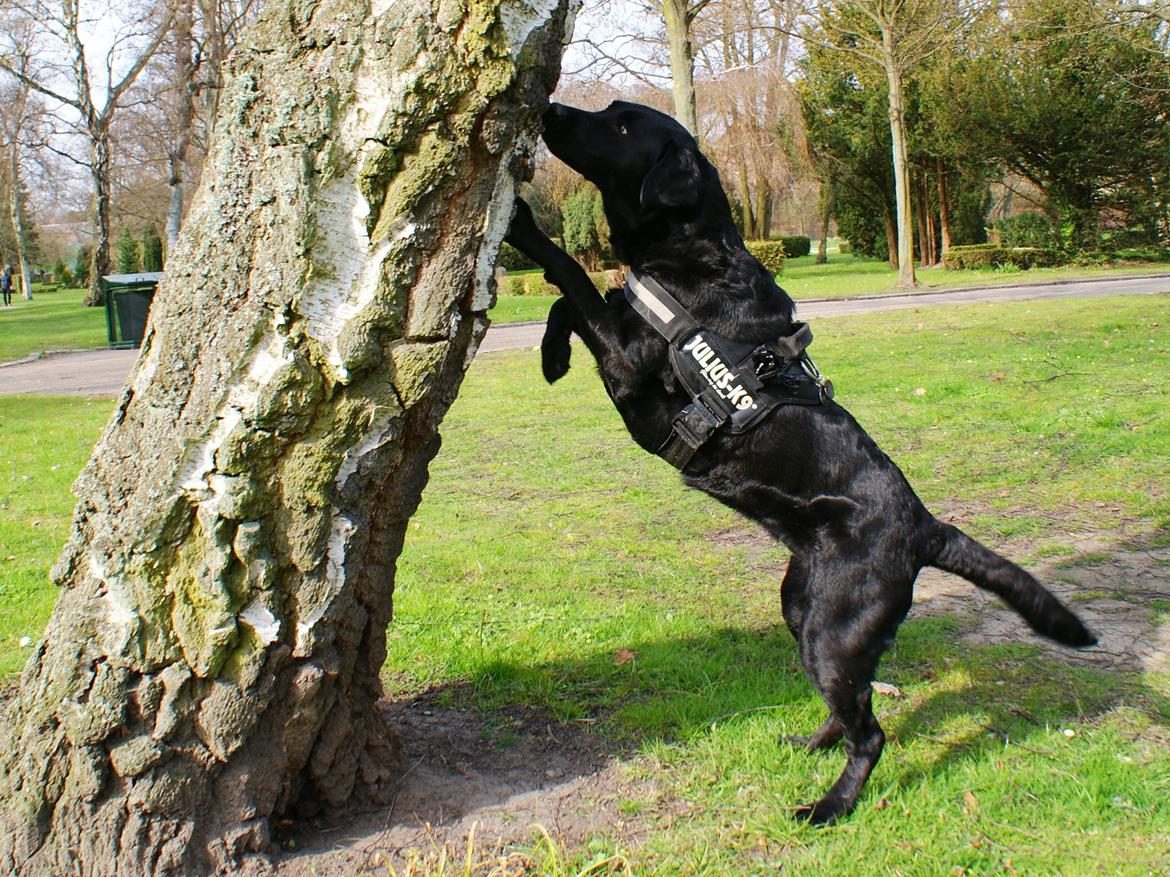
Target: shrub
586, 232
1034, 230
770, 253
535, 284
127, 261
81, 267
844, 248
1090, 259
152, 249
992, 256
796, 245
511, 259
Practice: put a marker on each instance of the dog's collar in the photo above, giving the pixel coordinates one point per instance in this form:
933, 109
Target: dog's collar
732, 384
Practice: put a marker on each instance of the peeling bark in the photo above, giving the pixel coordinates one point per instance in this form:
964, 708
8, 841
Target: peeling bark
213, 660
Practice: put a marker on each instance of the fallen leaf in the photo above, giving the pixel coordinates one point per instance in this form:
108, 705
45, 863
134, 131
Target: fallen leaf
970, 802
886, 689
624, 656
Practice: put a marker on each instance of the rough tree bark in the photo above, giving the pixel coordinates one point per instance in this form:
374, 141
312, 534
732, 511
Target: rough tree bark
213, 658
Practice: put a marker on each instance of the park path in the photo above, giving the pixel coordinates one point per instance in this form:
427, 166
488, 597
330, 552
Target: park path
103, 372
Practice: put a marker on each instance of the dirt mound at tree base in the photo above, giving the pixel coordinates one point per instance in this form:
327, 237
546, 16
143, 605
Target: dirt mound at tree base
499, 779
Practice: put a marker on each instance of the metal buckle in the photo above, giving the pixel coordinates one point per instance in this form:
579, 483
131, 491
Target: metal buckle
823, 383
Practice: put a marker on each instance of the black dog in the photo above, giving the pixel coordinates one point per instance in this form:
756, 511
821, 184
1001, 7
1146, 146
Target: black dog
807, 472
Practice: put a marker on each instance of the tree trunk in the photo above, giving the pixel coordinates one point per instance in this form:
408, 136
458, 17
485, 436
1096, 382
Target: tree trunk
213, 659
184, 115
16, 214
922, 214
682, 63
763, 211
944, 210
99, 258
891, 239
906, 276
828, 208
745, 201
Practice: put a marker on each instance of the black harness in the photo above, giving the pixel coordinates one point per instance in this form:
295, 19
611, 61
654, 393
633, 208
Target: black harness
733, 385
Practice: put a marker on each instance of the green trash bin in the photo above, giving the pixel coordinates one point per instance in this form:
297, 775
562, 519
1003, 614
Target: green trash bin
128, 300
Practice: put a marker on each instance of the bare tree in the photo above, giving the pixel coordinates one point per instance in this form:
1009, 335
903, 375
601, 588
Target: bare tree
204, 32
757, 134
21, 128
94, 98
213, 660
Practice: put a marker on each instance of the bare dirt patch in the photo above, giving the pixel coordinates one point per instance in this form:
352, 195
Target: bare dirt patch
1121, 591
499, 777
1117, 580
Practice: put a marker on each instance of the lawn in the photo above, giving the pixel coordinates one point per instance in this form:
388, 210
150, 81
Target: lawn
848, 276
51, 321
546, 542
57, 320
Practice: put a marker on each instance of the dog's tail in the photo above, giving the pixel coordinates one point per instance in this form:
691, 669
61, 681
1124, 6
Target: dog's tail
981, 566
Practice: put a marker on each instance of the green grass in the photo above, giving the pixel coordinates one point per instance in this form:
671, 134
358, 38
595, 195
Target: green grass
849, 275
51, 321
546, 541
521, 308
46, 440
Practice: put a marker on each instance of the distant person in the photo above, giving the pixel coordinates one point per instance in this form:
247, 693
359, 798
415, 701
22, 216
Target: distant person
6, 285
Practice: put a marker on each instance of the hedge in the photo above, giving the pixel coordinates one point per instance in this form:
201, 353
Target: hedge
844, 248
992, 255
770, 253
796, 245
535, 284
511, 259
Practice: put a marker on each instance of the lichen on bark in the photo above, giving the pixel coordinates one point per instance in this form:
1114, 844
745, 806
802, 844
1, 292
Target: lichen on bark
213, 659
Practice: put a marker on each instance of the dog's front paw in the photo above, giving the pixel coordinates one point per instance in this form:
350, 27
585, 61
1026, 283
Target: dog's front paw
555, 351
523, 225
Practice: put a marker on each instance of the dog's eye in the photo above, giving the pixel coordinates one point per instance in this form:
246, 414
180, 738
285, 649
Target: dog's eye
620, 127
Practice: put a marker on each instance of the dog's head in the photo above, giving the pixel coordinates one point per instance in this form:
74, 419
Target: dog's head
647, 166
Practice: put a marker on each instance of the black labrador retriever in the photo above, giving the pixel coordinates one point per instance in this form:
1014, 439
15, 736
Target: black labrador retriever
807, 472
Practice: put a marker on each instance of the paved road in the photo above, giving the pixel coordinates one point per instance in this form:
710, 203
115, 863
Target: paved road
102, 372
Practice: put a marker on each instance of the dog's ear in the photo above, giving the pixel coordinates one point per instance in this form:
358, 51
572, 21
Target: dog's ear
674, 180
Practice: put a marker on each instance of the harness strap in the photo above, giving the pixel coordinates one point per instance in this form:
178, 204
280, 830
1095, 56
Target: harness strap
731, 384
659, 308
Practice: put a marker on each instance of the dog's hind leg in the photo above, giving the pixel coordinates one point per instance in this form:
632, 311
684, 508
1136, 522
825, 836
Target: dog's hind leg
844, 631
794, 598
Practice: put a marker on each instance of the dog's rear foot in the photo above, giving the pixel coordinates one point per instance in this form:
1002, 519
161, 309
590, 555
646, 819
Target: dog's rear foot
823, 812
822, 738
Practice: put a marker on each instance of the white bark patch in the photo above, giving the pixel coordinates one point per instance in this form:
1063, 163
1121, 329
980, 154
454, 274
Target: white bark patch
520, 19
269, 357
350, 270
499, 217
333, 581
260, 618
383, 429
119, 618
144, 372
